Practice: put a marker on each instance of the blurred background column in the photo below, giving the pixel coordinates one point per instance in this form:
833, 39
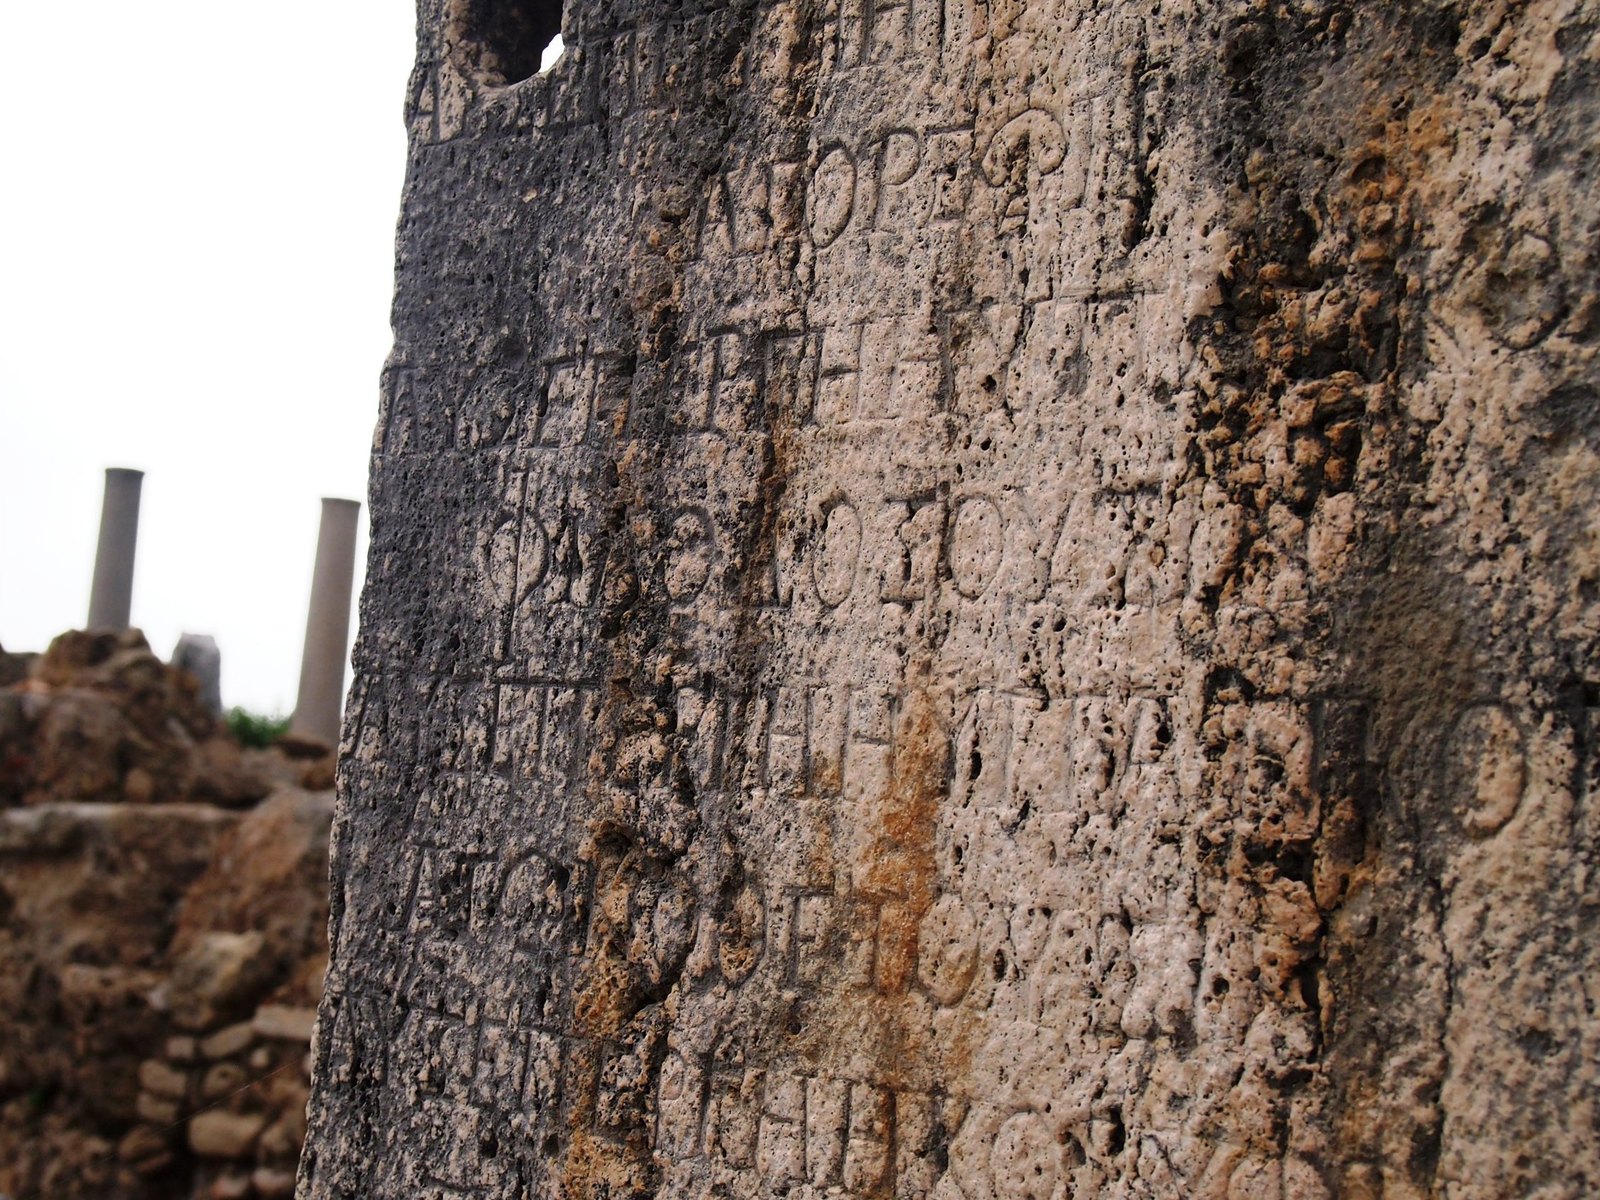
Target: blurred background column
198, 654
111, 593
317, 709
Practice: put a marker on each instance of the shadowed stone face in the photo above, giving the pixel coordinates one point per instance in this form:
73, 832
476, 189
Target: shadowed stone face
504, 39
979, 600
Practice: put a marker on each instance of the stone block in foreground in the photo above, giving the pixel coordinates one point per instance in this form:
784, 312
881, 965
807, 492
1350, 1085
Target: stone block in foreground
979, 600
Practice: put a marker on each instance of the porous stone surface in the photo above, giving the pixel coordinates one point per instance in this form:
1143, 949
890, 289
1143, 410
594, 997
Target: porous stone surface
980, 600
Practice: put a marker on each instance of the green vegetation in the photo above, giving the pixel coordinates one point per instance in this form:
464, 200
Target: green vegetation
255, 729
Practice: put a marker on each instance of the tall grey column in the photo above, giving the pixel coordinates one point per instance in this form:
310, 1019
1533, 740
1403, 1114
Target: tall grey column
317, 709
111, 594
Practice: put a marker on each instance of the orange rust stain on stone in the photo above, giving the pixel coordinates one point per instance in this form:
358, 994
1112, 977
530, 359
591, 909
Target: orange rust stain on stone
604, 999
903, 863
890, 1021
603, 994
596, 1169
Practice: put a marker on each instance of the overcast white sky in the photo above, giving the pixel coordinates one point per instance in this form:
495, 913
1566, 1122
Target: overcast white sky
196, 253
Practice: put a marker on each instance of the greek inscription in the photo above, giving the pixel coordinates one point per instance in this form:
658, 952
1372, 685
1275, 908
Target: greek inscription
902, 179
857, 939
691, 552
832, 195
947, 951
1030, 144
523, 901
408, 423
854, 1137
541, 732
731, 1117
867, 687
838, 555
564, 406
912, 574
977, 542
791, 362
1487, 748
752, 210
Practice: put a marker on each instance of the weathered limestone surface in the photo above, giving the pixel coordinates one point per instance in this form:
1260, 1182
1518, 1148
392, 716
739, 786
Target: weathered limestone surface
980, 600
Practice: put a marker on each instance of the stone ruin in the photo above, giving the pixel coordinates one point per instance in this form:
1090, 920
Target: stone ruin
980, 600
163, 918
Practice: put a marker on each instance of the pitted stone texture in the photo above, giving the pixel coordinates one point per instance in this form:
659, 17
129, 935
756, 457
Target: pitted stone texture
980, 600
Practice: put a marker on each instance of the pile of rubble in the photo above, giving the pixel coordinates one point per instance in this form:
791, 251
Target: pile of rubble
98, 717
163, 933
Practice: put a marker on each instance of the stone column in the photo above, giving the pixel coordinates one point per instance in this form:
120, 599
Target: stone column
111, 593
317, 708
198, 654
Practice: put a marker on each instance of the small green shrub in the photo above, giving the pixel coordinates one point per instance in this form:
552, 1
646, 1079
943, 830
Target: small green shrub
255, 729
37, 1100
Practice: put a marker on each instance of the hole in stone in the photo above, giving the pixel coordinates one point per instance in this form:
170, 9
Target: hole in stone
515, 39
1119, 1132
551, 53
